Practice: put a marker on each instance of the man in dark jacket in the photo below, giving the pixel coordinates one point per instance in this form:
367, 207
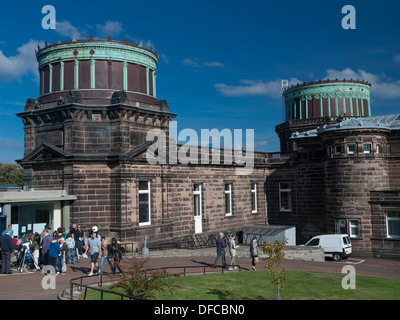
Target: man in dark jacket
7, 247
47, 238
220, 251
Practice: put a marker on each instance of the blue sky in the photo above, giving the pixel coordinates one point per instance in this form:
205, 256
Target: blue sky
221, 62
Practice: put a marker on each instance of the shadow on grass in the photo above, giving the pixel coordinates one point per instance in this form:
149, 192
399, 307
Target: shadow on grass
222, 295
227, 295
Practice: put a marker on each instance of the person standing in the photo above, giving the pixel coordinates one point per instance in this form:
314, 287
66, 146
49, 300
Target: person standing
94, 245
253, 253
232, 252
115, 254
79, 242
105, 254
7, 247
71, 249
220, 251
62, 268
8, 228
47, 238
35, 255
54, 252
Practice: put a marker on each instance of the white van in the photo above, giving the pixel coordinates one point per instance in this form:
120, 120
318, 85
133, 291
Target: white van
336, 246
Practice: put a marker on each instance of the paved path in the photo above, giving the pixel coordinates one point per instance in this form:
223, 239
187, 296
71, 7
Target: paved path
27, 285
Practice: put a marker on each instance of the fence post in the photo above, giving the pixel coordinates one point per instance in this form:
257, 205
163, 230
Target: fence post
71, 289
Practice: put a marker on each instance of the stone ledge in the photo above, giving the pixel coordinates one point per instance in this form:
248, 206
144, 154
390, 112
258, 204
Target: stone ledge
291, 253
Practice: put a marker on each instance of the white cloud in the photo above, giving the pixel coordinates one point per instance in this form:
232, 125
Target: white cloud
382, 87
164, 58
188, 62
260, 144
100, 31
11, 150
66, 29
10, 143
214, 64
396, 58
24, 62
271, 89
110, 28
191, 63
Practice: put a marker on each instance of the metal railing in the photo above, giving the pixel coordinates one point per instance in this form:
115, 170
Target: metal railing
81, 287
198, 241
78, 282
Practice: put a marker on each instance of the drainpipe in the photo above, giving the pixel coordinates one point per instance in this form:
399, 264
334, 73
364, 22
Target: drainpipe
265, 197
295, 186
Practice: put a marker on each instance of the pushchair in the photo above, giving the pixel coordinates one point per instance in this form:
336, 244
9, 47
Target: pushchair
25, 258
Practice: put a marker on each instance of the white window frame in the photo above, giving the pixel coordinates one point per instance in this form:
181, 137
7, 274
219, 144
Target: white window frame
147, 223
370, 148
348, 149
336, 148
352, 225
387, 225
281, 190
378, 149
197, 193
253, 196
228, 193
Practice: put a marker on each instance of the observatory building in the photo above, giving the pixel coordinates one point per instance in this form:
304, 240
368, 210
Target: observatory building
86, 136
338, 170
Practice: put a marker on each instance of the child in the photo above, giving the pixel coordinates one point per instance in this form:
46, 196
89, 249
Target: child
35, 255
71, 248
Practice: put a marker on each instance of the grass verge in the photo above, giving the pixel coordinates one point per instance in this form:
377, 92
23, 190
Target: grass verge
299, 285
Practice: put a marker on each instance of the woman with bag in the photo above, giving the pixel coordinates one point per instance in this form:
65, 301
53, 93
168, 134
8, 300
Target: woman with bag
253, 253
232, 252
61, 263
115, 255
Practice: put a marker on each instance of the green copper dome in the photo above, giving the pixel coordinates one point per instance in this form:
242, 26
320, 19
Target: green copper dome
327, 98
96, 69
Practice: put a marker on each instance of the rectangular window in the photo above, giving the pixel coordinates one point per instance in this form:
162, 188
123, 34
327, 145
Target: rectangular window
285, 196
228, 199
367, 148
378, 148
342, 226
197, 199
14, 214
393, 224
338, 150
144, 203
253, 197
354, 228
351, 149
42, 216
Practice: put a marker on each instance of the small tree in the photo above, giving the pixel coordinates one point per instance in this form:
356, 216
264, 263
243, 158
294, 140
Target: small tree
275, 256
11, 174
139, 281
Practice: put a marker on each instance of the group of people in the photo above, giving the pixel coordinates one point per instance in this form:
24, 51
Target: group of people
99, 248
58, 248
221, 245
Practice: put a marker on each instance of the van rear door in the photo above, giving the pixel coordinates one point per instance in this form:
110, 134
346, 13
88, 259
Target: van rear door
347, 245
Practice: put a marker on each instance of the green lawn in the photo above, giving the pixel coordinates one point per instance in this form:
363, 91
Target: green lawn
298, 285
